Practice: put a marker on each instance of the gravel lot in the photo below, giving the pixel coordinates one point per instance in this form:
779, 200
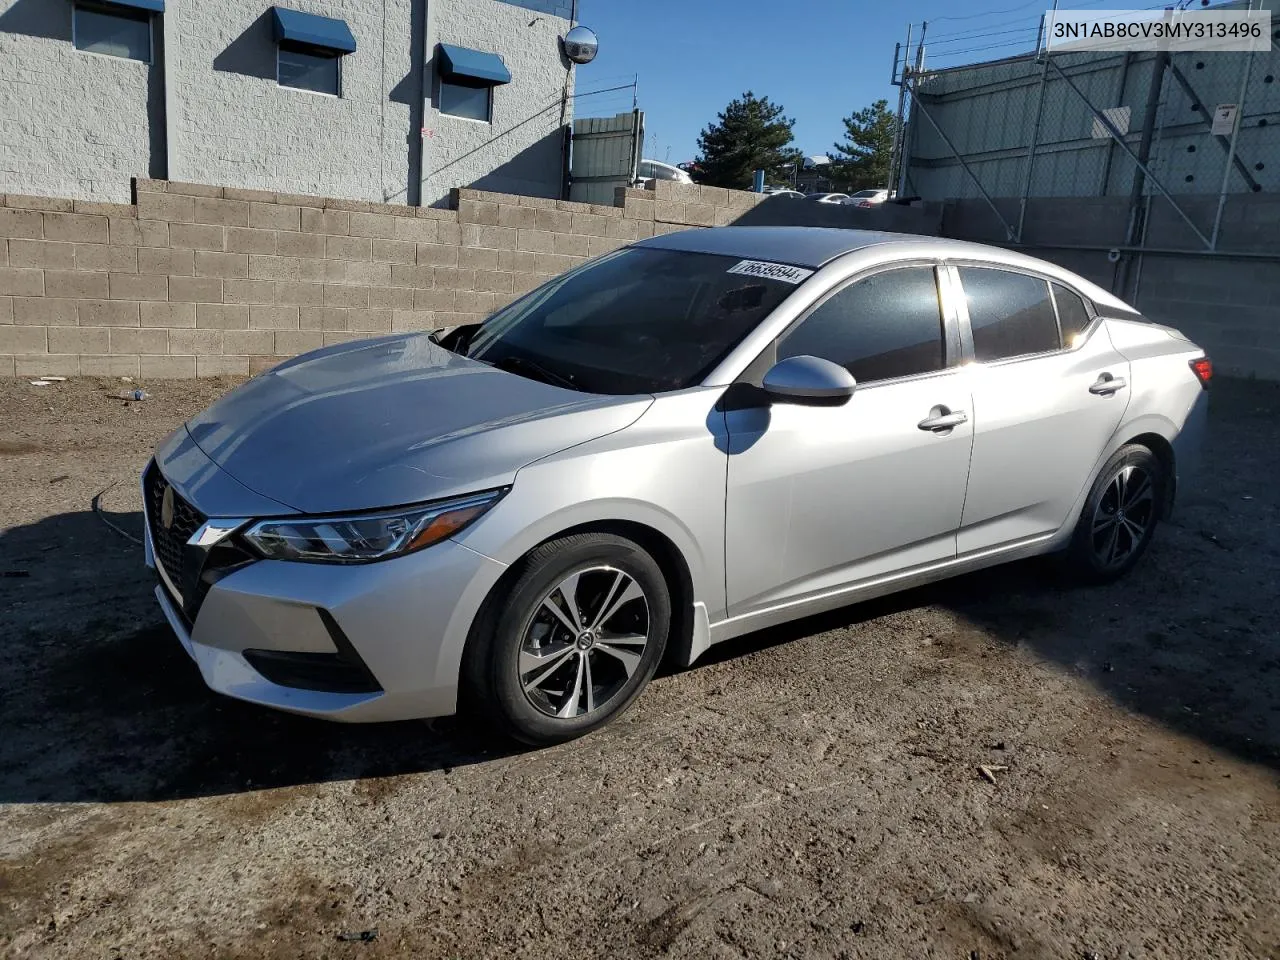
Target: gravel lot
811, 791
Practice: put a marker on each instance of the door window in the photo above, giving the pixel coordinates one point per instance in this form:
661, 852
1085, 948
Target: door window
1073, 315
1010, 314
885, 326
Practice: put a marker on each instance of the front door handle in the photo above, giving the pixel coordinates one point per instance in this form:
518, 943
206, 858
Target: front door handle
1106, 385
943, 420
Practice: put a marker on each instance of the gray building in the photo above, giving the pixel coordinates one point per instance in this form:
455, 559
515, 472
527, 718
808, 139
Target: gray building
394, 101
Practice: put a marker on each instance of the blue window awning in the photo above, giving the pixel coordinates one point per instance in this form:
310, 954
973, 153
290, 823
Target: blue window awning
313, 29
472, 64
151, 6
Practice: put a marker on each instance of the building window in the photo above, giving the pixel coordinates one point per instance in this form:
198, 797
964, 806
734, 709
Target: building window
467, 79
471, 100
309, 68
114, 29
309, 50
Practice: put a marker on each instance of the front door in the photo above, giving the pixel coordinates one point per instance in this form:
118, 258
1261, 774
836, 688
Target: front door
819, 498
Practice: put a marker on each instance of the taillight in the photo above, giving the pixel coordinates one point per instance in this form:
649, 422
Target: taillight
1203, 369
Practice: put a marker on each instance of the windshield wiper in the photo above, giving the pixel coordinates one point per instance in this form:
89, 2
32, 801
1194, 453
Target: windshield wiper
513, 364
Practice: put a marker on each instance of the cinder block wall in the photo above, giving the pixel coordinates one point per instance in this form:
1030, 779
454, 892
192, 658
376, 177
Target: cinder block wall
194, 280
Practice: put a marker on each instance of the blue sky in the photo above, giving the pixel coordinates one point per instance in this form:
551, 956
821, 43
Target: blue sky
821, 59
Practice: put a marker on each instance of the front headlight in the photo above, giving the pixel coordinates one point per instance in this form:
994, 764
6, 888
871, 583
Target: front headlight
360, 538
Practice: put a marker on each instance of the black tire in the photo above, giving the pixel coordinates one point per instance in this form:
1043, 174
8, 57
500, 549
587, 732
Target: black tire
496, 686
1103, 548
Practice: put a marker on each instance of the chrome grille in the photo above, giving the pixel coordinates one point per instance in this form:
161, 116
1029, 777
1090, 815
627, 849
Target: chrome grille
168, 541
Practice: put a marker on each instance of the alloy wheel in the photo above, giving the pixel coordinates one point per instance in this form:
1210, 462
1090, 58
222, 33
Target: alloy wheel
1123, 516
584, 643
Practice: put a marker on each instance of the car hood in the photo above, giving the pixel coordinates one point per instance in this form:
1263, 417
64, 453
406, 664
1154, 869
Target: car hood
392, 421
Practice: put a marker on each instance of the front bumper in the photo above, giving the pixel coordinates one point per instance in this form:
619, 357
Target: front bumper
404, 622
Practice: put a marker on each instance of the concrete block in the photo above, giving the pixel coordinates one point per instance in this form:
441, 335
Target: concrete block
438, 254
162, 206
237, 193
490, 196
478, 211
74, 284
433, 299
553, 263
249, 291
644, 229
367, 273
391, 298
144, 185
716, 196
573, 206
676, 192
344, 295
192, 189
42, 254
24, 339
167, 314
6, 309
406, 275
535, 241
524, 282
4, 253
517, 261
413, 321
300, 200
323, 318
139, 340
195, 290
108, 313
225, 213
538, 203
21, 224
167, 368
300, 245
195, 342
292, 342
134, 286
20, 201
497, 238
277, 317
478, 258
622, 229
249, 341
106, 256
224, 265
454, 278
443, 214
350, 248
138, 233
554, 221
599, 245
333, 222
42, 311
606, 210
343, 337
570, 243
493, 281
373, 225
449, 233
197, 236
251, 240
395, 251
639, 209
47, 365
259, 365
71, 339
373, 320
475, 301
511, 215
286, 268
215, 366
355, 206
275, 216
294, 293
109, 366
222, 316
166, 262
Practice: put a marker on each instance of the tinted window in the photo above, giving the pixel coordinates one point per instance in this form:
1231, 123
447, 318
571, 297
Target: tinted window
635, 321
115, 31
1011, 314
308, 69
888, 325
1073, 316
463, 100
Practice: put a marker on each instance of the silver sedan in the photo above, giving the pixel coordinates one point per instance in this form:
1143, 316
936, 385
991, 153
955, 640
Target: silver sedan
694, 437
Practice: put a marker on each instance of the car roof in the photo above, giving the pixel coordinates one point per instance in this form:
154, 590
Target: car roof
801, 246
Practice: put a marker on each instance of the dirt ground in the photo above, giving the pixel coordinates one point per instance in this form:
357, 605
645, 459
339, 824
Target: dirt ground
812, 791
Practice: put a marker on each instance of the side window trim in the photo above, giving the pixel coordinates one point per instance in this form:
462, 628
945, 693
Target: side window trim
966, 330
950, 320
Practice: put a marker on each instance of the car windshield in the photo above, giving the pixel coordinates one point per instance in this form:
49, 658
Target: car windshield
866, 193
635, 321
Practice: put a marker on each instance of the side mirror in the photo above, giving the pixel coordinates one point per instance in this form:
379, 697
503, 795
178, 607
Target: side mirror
809, 380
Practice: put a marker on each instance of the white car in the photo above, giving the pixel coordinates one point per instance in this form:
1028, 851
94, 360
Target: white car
869, 198
648, 170
828, 197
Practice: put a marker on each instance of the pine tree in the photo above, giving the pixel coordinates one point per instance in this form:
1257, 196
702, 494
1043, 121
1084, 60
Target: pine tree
863, 159
749, 134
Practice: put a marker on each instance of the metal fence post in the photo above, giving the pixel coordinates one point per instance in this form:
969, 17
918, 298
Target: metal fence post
1231, 150
1035, 137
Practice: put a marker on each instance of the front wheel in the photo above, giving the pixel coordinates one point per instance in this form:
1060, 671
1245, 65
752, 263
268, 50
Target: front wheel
1119, 516
577, 638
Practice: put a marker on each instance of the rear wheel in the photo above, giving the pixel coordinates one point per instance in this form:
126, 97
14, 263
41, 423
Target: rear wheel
1119, 517
579, 635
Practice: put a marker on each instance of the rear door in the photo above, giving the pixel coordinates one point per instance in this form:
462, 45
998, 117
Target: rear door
821, 497
1048, 393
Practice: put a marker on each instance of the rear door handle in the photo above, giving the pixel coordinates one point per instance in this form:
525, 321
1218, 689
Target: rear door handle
1106, 385
943, 421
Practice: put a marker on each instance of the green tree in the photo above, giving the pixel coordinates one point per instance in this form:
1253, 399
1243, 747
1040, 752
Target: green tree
863, 159
749, 134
